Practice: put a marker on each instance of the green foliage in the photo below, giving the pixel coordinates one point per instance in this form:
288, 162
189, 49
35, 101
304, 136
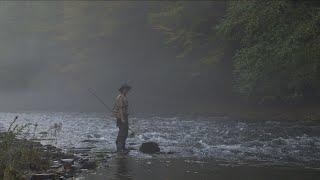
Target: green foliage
278, 43
279, 54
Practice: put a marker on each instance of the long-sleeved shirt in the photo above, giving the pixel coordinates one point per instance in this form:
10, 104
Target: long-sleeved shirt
121, 107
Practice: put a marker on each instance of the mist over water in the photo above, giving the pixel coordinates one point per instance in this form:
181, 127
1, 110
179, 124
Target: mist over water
52, 52
293, 144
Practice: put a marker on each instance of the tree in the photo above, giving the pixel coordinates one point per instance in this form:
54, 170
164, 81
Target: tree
274, 44
279, 54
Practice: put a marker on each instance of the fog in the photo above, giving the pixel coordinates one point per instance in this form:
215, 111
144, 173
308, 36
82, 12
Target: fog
52, 52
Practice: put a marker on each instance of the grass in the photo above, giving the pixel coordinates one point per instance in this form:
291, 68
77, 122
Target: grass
19, 156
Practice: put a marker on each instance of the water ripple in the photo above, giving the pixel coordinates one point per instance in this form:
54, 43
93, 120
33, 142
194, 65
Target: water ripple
232, 141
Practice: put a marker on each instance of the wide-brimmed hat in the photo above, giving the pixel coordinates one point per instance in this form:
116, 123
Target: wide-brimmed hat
124, 86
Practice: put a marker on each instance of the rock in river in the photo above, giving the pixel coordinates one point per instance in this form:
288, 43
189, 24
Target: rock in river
43, 176
149, 147
88, 164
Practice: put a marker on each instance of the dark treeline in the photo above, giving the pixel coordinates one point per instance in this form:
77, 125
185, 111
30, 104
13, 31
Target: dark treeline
270, 47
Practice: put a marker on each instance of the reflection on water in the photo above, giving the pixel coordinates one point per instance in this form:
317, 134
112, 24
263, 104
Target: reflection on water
267, 143
122, 171
126, 168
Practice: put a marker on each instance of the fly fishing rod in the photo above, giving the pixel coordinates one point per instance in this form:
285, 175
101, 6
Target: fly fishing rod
100, 100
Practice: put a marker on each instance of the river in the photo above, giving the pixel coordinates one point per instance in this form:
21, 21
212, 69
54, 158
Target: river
195, 140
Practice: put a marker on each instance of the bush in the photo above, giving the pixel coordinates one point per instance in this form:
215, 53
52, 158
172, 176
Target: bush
19, 156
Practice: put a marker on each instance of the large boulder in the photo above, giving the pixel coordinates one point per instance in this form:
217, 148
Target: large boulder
149, 147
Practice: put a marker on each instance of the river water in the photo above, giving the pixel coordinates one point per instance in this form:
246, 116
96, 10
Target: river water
228, 141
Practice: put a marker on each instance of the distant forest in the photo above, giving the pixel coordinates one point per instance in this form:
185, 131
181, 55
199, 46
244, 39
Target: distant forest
272, 48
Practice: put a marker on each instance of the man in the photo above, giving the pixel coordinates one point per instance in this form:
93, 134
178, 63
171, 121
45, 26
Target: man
121, 114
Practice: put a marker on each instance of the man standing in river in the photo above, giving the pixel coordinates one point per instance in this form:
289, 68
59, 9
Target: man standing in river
121, 114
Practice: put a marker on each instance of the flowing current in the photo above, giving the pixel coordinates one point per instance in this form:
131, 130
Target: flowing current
230, 141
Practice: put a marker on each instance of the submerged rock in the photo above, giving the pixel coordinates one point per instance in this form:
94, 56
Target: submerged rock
43, 176
67, 164
97, 135
149, 147
88, 164
90, 141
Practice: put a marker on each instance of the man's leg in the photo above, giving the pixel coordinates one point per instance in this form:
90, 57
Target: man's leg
118, 141
122, 136
125, 134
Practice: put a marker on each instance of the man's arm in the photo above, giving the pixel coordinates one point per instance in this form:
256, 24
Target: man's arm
121, 109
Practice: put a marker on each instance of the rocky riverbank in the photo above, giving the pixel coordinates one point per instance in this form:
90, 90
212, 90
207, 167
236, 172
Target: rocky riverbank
26, 159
